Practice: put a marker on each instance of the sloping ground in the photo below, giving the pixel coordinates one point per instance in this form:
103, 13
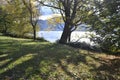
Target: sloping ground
23, 59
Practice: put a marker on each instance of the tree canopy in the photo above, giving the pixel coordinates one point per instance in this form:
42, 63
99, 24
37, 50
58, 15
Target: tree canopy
15, 18
106, 23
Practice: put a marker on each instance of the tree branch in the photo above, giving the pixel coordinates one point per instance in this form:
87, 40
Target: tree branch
50, 5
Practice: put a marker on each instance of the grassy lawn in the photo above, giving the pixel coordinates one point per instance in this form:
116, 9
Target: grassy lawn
23, 59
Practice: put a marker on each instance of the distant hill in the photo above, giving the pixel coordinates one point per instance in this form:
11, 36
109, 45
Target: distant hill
47, 14
44, 25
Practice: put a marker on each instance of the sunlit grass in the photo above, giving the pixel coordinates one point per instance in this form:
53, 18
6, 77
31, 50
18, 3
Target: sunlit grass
4, 62
17, 62
3, 55
25, 59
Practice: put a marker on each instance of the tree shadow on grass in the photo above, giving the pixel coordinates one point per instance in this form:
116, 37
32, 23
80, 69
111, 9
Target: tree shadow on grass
13, 51
10, 53
45, 54
108, 70
41, 60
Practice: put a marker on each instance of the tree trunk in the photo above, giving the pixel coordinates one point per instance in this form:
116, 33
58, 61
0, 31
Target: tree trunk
69, 37
5, 28
34, 33
65, 35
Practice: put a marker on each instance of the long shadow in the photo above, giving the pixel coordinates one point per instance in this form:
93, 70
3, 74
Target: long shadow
53, 53
108, 70
73, 58
43, 61
13, 50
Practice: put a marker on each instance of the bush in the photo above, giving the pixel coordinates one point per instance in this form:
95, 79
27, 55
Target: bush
108, 43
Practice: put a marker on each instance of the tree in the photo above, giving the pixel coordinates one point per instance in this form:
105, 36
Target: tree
5, 20
33, 14
73, 13
56, 20
106, 23
18, 17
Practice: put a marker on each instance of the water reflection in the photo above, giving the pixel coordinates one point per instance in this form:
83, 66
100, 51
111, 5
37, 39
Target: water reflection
52, 36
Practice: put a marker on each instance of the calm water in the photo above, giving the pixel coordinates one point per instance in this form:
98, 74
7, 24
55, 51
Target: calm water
52, 36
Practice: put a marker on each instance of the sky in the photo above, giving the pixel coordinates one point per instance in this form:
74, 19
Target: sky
47, 13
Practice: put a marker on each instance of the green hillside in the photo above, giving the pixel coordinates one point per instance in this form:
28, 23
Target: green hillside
23, 59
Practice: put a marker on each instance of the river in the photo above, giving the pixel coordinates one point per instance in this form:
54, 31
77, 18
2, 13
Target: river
53, 36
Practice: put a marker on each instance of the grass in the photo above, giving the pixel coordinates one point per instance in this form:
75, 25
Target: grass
23, 59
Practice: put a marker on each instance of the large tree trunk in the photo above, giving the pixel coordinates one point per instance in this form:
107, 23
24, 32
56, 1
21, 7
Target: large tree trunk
65, 38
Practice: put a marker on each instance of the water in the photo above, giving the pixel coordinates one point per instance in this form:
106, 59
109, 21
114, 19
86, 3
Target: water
53, 36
